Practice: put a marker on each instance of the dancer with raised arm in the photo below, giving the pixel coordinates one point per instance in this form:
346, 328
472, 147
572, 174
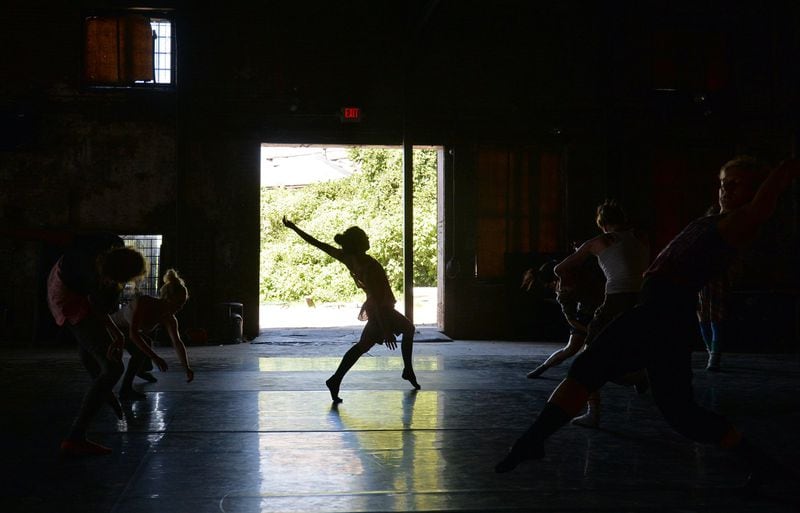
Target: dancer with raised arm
383, 321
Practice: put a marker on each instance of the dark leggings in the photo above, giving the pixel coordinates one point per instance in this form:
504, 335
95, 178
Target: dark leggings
93, 341
656, 335
138, 362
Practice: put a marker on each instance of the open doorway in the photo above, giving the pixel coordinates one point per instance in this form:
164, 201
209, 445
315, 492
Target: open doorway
325, 189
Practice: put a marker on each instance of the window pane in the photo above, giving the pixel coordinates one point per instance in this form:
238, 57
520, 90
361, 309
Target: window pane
163, 50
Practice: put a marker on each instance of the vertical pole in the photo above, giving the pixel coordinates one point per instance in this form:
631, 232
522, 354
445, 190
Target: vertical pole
408, 228
795, 190
408, 178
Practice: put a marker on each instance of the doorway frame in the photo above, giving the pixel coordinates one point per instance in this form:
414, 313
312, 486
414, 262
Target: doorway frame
408, 205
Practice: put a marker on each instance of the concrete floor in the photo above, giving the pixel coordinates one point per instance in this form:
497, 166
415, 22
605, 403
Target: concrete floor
256, 432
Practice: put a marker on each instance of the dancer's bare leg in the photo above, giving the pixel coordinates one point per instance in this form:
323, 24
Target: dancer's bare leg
406, 348
574, 344
592, 416
135, 364
348, 360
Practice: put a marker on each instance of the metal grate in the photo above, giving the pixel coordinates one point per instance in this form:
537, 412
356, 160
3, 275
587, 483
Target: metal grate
150, 246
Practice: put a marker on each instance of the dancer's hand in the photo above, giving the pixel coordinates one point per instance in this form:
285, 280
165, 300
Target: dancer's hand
160, 363
528, 279
114, 351
189, 374
577, 325
390, 341
117, 337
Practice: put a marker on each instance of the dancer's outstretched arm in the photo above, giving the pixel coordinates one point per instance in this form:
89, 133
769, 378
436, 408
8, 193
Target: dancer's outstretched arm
327, 248
593, 246
740, 226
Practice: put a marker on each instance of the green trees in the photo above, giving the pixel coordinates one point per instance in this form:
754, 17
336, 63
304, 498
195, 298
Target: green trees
371, 198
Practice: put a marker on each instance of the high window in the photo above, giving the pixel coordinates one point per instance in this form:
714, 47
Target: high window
130, 49
150, 247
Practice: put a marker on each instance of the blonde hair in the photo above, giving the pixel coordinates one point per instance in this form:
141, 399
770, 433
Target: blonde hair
174, 287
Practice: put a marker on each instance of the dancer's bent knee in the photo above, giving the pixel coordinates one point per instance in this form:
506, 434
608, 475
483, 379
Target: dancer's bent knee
588, 372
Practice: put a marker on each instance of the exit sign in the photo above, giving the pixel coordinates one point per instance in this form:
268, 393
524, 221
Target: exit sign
350, 114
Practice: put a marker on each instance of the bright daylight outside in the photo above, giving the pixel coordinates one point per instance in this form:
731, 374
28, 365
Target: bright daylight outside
325, 190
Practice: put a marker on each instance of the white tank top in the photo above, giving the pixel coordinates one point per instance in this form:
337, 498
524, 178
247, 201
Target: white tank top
624, 262
122, 317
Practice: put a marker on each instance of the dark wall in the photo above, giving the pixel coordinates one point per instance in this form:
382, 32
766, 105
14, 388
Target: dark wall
640, 101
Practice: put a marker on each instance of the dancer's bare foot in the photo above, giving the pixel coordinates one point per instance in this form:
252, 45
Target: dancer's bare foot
589, 419
411, 378
333, 386
535, 373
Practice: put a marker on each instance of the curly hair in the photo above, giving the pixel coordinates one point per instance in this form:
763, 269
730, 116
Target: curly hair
123, 264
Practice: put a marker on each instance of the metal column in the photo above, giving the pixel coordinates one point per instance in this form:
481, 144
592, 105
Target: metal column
408, 228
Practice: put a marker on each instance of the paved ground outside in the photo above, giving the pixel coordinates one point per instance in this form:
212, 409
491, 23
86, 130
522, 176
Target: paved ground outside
318, 315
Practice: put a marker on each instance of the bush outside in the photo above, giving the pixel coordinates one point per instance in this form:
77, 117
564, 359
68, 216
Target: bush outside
371, 198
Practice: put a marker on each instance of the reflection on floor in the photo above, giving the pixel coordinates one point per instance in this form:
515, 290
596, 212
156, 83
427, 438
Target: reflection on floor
256, 432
